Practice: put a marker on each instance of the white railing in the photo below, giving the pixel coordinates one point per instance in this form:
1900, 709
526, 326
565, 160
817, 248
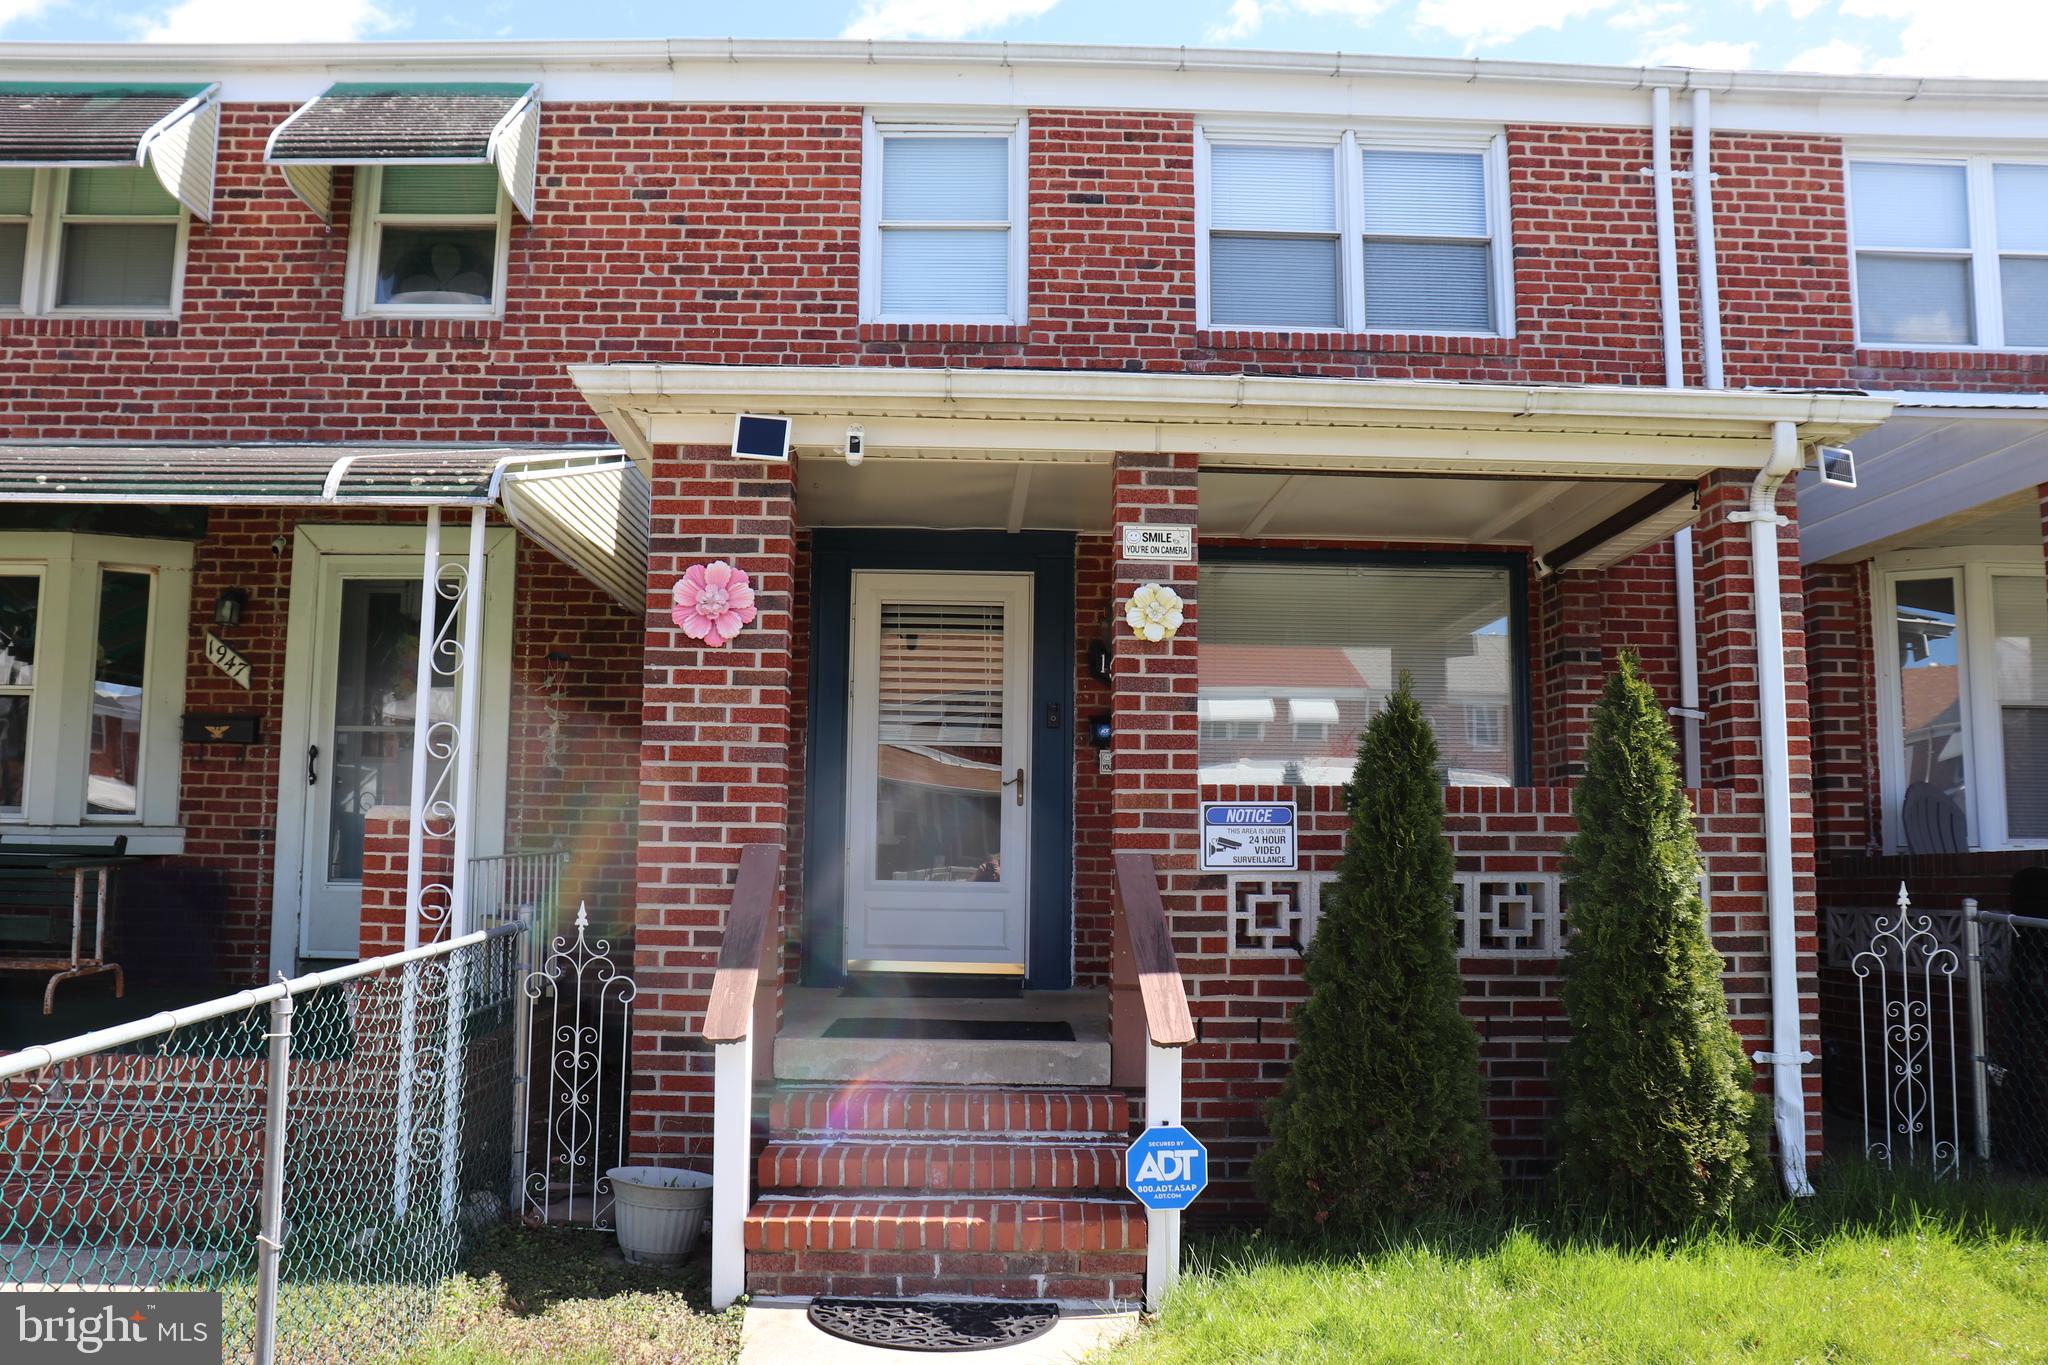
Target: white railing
523, 888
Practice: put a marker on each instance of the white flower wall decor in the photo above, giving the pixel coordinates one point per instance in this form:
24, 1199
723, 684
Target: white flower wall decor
1154, 612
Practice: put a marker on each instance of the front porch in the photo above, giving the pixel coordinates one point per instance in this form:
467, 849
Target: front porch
1497, 544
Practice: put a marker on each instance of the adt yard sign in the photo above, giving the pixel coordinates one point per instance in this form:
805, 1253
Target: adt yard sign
1248, 838
1166, 1168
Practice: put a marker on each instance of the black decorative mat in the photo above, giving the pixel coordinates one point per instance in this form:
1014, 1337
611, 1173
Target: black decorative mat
932, 1324
953, 1030
930, 986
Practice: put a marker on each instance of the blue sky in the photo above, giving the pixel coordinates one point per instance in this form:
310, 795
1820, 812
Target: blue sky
1913, 37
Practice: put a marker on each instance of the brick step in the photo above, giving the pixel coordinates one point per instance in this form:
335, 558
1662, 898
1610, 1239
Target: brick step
941, 1225
1000, 1165
797, 1110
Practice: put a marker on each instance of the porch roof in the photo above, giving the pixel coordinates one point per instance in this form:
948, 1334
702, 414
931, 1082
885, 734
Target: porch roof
1581, 475
589, 507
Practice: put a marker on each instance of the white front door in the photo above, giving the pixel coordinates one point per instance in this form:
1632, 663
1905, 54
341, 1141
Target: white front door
938, 780
359, 738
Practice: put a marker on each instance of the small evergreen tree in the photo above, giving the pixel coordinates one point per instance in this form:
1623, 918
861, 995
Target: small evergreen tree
1659, 1118
1383, 1113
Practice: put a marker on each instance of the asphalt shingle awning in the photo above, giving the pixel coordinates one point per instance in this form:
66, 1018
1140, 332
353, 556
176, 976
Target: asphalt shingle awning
395, 123
589, 507
172, 129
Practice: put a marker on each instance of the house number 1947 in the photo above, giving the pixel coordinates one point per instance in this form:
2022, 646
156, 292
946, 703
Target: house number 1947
226, 660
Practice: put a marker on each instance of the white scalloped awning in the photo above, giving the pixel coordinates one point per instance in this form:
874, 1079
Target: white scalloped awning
411, 123
173, 129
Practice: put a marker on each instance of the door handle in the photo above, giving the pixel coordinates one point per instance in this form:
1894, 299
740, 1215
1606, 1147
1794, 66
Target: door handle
312, 765
1018, 783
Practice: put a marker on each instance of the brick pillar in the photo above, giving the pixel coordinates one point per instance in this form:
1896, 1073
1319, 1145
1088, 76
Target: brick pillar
1155, 792
381, 928
714, 770
1843, 703
1731, 759
1571, 666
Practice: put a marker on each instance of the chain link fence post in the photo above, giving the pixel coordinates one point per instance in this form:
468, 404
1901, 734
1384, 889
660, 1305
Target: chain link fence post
270, 1238
1980, 1061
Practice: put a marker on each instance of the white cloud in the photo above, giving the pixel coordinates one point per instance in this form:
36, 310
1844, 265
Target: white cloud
938, 18
1708, 54
1837, 56
1960, 37
1242, 20
10, 10
266, 21
1490, 23
1645, 13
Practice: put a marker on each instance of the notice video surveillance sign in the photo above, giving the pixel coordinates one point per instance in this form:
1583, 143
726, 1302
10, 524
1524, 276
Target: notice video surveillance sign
1258, 837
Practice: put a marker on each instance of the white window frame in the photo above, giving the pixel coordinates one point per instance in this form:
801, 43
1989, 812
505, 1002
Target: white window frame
365, 240
1349, 143
41, 271
61, 715
875, 130
30, 763
1987, 296
1481, 715
1972, 571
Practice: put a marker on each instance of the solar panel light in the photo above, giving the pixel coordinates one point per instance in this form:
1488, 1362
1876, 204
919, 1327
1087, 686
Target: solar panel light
760, 438
1838, 466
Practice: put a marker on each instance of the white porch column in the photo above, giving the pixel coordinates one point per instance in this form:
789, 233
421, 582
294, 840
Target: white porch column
732, 1141
422, 724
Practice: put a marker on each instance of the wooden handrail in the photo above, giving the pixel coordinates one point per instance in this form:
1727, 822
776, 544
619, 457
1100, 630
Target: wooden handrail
748, 949
1148, 1001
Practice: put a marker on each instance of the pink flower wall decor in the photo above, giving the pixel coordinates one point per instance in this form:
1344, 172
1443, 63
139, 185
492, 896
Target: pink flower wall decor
712, 602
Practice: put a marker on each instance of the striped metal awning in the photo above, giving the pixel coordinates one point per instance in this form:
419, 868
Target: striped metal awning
395, 123
172, 129
589, 507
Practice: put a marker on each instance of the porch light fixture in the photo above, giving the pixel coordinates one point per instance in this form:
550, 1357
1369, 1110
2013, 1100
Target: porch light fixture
227, 608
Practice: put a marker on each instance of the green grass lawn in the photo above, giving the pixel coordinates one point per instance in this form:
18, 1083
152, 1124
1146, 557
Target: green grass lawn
566, 1297
1871, 1269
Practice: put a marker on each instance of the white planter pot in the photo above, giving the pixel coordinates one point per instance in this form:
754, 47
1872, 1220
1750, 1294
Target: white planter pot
660, 1210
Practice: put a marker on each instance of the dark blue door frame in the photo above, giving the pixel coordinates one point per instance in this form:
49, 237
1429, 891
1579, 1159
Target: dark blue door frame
1049, 557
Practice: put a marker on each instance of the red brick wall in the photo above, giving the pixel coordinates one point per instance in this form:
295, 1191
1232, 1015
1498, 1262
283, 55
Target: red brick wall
730, 235
1094, 592
1848, 810
714, 770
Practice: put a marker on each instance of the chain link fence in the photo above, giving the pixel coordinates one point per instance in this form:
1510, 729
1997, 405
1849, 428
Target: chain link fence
2008, 1031
320, 1152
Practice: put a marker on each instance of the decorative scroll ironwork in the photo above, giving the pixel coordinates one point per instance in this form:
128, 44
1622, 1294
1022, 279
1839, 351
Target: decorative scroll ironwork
1906, 1026
445, 746
572, 1126
933, 1324
1850, 930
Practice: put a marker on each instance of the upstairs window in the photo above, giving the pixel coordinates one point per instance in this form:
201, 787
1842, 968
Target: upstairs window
942, 231
1347, 234
1950, 253
107, 241
429, 241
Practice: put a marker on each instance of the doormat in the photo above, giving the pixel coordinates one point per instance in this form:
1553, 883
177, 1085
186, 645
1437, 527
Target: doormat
954, 1030
932, 1324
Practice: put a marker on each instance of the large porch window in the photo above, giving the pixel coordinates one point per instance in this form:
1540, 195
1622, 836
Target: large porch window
1297, 655
92, 648
1963, 702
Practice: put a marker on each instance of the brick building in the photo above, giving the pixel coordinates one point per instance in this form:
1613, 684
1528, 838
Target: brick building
1477, 371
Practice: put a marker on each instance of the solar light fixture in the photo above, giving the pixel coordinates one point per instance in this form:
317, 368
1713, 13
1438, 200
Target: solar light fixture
1838, 466
760, 438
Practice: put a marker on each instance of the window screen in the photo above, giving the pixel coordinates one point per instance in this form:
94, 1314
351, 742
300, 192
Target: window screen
1428, 265
2020, 617
114, 768
1929, 635
945, 226
19, 601
1273, 237
1912, 230
1296, 658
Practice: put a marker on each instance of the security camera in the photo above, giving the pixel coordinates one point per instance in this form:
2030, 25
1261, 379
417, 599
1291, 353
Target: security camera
856, 443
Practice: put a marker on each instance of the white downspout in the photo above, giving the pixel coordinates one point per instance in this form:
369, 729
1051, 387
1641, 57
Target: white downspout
1786, 1058
1688, 708
1703, 239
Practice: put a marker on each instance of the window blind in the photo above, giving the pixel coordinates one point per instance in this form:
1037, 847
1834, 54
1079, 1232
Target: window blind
1914, 299
1272, 189
2022, 196
950, 272
1425, 194
1274, 281
13, 253
941, 673
2019, 609
17, 191
1429, 286
119, 192
2023, 294
1904, 204
453, 191
1345, 633
945, 179
117, 265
